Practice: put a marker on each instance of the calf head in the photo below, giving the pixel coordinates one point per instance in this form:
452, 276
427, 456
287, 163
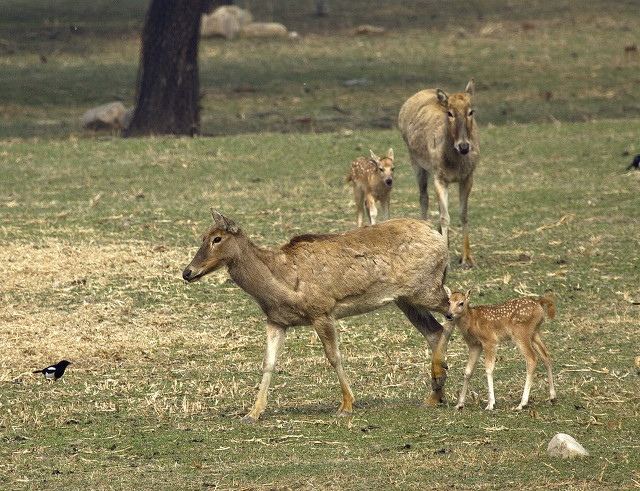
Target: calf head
218, 248
385, 166
458, 304
460, 117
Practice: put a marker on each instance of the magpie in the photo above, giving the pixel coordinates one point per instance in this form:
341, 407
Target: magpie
635, 163
54, 372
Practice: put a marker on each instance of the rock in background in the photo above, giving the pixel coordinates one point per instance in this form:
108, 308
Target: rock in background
108, 116
230, 21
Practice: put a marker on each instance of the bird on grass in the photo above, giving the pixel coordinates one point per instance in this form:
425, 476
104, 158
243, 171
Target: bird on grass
635, 163
54, 372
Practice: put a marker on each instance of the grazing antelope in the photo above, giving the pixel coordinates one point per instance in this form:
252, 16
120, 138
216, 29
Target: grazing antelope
372, 181
485, 326
442, 139
316, 279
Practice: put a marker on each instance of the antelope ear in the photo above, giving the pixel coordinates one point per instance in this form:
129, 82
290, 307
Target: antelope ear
390, 153
470, 86
443, 97
218, 219
374, 158
447, 290
224, 223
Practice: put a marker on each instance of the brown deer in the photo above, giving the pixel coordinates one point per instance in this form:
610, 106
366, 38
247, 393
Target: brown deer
372, 181
442, 139
316, 279
483, 327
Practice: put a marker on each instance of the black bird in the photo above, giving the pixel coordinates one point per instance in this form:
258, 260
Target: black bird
54, 372
635, 163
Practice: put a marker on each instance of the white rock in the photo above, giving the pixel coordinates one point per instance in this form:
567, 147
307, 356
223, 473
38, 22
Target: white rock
565, 446
264, 29
106, 116
225, 21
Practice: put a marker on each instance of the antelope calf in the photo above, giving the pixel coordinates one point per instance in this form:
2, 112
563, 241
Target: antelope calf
372, 181
485, 326
442, 139
316, 279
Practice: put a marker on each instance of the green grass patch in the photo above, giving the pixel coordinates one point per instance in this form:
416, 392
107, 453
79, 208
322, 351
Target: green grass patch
95, 232
94, 236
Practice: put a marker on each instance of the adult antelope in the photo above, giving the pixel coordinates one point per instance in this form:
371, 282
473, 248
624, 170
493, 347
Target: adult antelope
442, 139
316, 279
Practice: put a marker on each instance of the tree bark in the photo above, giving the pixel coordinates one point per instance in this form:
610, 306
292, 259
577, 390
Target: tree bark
167, 95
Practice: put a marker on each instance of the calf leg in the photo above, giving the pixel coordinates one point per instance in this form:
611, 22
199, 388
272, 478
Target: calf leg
275, 342
474, 356
541, 349
532, 362
327, 333
384, 207
371, 208
358, 194
489, 365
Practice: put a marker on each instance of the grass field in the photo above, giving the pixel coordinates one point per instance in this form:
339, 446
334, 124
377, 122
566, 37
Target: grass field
95, 232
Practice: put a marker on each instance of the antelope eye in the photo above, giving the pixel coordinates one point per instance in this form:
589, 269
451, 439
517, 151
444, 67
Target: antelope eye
450, 114
460, 304
471, 112
380, 169
216, 240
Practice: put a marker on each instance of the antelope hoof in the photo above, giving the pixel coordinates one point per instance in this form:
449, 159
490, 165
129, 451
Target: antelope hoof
459, 407
468, 265
434, 399
343, 414
437, 384
248, 420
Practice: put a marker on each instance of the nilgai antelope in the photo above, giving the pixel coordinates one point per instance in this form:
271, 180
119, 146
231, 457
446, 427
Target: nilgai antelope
316, 279
372, 181
442, 139
483, 327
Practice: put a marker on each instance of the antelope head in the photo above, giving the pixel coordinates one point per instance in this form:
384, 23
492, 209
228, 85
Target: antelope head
460, 116
217, 249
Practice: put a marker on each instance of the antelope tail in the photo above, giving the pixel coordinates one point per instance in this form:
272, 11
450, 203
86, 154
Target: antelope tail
349, 178
551, 307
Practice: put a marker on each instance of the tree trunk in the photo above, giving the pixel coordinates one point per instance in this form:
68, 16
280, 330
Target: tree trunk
168, 86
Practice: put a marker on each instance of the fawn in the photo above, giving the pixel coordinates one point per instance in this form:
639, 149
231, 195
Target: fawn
372, 181
483, 327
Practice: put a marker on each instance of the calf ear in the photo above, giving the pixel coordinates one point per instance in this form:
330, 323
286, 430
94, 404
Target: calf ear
468, 294
374, 158
447, 290
390, 153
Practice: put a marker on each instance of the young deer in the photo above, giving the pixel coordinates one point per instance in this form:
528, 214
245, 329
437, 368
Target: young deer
316, 279
485, 326
372, 181
442, 138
